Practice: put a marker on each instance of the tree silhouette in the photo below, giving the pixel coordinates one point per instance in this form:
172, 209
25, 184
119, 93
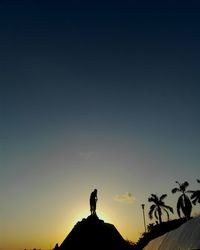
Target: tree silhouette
195, 197
158, 206
184, 204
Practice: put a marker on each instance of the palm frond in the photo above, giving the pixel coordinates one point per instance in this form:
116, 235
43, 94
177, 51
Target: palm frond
179, 206
190, 191
169, 208
185, 184
186, 199
156, 214
154, 196
150, 199
174, 190
194, 201
166, 213
152, 208
188, 206
195, 197
162, 197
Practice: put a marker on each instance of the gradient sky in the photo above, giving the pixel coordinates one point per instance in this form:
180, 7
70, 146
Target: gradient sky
99, 95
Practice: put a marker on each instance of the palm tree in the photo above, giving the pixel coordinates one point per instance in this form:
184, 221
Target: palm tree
158, 206
184, 204
195, 195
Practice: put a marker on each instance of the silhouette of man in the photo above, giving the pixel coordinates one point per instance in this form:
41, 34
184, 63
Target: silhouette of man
93, 201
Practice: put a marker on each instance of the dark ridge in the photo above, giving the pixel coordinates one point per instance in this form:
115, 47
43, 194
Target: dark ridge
93, 233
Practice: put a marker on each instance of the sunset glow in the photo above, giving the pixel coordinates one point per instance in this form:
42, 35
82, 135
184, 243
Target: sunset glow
84, 214
99, 96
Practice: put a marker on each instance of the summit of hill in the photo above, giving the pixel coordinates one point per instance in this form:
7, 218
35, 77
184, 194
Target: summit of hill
93, 233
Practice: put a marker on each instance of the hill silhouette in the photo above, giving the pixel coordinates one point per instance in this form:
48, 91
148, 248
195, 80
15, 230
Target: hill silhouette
93, 233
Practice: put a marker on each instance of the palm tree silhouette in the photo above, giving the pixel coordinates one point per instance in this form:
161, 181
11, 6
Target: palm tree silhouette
184, 204
195, 197
158, 206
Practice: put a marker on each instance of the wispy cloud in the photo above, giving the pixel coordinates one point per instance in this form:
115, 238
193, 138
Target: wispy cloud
125, 197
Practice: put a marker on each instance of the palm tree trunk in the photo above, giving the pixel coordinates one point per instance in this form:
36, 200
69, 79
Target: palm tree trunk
159, 215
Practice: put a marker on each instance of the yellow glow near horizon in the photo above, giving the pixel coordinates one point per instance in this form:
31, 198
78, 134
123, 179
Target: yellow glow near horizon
84, 214
127, 233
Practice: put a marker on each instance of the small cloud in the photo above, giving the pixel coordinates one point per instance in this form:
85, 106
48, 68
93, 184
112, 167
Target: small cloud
125, 197
86, 155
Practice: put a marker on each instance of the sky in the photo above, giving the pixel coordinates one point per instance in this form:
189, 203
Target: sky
99, 95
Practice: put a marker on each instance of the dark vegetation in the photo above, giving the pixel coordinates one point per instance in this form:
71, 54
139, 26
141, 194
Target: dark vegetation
184, 203
195, 197
183, 207
159, 206
156, 231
